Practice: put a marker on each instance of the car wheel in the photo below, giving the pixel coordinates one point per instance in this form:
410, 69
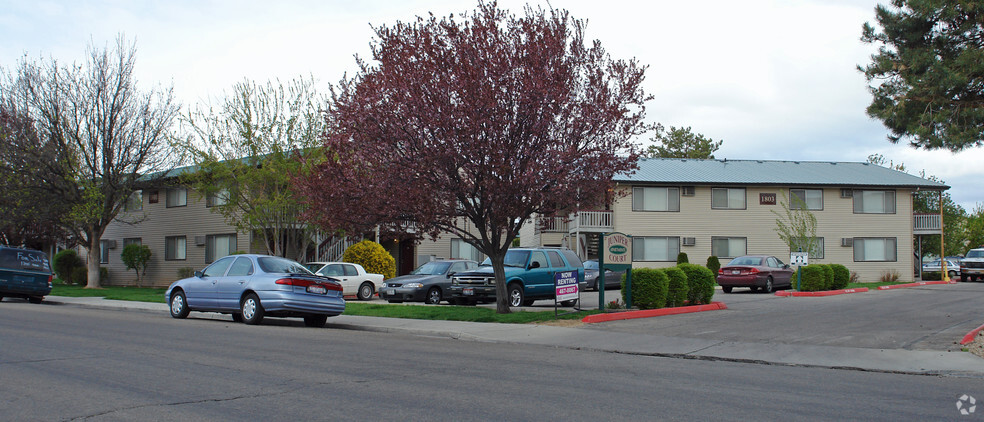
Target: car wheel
252, 310
528, 302
433, 296
365, 291
35, 299
179, 305
316, 321
568, 303
1, 298
952, 274
963, 278
237, 317
726, 289
754, 288
515, 295
768, 286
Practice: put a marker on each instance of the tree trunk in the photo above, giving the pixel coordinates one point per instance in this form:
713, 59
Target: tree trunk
501, 291
92, 263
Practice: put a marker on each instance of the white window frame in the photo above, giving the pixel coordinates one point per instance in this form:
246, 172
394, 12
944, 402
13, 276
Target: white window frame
180, 248
212, 240
861, 246
730, 198
670, 194
180, 198
860, 201
640, 254
729, 254
803, 201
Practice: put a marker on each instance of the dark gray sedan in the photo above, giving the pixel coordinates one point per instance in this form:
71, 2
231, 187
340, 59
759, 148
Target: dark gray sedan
428, 283
613, 280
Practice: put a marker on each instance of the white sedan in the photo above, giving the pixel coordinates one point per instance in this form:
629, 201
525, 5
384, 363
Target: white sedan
354, 279
952, 268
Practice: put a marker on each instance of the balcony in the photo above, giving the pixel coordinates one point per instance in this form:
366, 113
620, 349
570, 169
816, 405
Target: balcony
552, 224
926, 224
591, 222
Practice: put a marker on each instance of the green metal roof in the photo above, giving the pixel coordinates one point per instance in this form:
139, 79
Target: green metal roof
776, 173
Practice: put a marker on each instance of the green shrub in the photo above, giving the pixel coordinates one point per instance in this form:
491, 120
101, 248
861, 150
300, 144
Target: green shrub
700, 282
682, 258
186, 272
371, 256
932, 275
136, 257
649, 287
813, 278
64, 264
80, 275
713, 264
677, 288
828, 276
842, 276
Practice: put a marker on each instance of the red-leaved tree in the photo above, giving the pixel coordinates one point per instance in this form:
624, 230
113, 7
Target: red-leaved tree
472, 126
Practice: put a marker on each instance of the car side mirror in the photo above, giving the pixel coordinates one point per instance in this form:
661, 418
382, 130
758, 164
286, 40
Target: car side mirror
534, 264
785, 266
451, 274
199, 274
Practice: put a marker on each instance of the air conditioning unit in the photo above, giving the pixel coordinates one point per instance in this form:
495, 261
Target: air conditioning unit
847, 193
199, 240
687, 190
111, 244
847, 241
689, 241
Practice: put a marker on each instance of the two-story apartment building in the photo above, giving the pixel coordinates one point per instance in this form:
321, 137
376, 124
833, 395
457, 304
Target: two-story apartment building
728, 208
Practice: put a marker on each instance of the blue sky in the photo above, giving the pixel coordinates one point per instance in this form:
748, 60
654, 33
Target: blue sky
772, 79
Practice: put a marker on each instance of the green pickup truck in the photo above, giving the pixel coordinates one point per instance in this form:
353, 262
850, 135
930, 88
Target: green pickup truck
530, 274
24, 273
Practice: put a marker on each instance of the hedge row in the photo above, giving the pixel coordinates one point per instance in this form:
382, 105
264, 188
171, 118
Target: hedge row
817, 277
685, 284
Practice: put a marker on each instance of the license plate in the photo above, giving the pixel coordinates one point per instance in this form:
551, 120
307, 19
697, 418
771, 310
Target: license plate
316, 289
468, 291
735, 272
391, 292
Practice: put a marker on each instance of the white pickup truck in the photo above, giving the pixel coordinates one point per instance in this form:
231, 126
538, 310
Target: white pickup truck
354, 279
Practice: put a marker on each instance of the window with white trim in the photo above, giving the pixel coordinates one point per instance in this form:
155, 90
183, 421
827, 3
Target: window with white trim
874, 202
176, 197
728, 247
219, 245
655, 199
655, 248
175, 248
728, 198
877, 249
806, 199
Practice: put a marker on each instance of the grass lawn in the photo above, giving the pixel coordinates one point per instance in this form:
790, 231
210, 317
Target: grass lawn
137, 294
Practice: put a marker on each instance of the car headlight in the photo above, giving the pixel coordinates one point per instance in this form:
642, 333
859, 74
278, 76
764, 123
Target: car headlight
413, 285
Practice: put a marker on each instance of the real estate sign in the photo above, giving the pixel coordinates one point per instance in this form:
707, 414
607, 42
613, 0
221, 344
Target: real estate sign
566, 284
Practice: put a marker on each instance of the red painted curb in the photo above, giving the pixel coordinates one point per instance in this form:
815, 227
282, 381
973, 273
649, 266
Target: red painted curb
616, 316
916, 284
823, 293
970, 336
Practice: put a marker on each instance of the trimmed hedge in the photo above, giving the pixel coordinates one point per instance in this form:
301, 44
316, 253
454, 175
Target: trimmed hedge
842, 276
80, 275
649, 288
700, 282
713, 264
371, 256
828, 274
682, 258
814, 278
64, 264
678, 287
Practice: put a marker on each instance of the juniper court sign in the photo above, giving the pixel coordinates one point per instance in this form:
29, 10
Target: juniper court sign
615, 254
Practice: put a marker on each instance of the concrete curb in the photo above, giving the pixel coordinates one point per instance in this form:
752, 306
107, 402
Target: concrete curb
916, 284
785, 293
967, 339
618, 316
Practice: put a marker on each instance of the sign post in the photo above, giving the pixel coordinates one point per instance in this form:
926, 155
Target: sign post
799, 259
614, 253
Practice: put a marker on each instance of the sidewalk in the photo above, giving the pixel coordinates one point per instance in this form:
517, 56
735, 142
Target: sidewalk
880, 360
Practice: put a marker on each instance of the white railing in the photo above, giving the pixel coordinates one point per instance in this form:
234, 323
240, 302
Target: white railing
592, 221
336, 248
926, 223
552, 224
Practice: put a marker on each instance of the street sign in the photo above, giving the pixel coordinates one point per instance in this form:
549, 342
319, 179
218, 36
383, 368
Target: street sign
617, 250
799, 258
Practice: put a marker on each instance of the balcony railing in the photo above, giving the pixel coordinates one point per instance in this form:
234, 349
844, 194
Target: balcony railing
552, 224
926, 224
592, 221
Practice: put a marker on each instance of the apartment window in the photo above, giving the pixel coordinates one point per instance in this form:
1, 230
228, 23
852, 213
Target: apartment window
728, 198
177, 197
655, 199
174, 248
463, 250
875, 249
728, 247
134, 202
104, 251
219, 245
132, 241
874, 202
655, 248
218, 198
806, 199
816, 252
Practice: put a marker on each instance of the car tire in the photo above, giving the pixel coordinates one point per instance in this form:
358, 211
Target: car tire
35, 299
433, 296
179, 305
365, 291
528, 302
963, 278
237, 317
952, 274
568, 303
726, 289
1, 298
252, 310
315, 321
515, 295
768, 286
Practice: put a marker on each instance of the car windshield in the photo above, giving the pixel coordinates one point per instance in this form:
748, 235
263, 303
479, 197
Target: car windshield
591, 265
746, 260
432, 268
313, 267
272, 264
513, 259
975, 253
20, 259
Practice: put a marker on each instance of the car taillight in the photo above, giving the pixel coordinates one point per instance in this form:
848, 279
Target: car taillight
300, 282
50, 279
753, 271
720, 270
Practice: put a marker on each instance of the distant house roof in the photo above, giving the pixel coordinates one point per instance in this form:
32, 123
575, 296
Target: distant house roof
766, 172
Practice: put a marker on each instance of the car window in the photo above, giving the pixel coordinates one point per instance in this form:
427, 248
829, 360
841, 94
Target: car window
471, 265
514, 258
779, 261
746, 260
313, 267
541, 258
458, 267
772, 262
555, 260
272, 264
591, 265
24, 260
333, 270
350, 270
242, 267
572, 258
218, 268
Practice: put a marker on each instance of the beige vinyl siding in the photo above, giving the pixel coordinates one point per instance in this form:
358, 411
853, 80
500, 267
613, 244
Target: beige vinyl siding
157, 221
757, 224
